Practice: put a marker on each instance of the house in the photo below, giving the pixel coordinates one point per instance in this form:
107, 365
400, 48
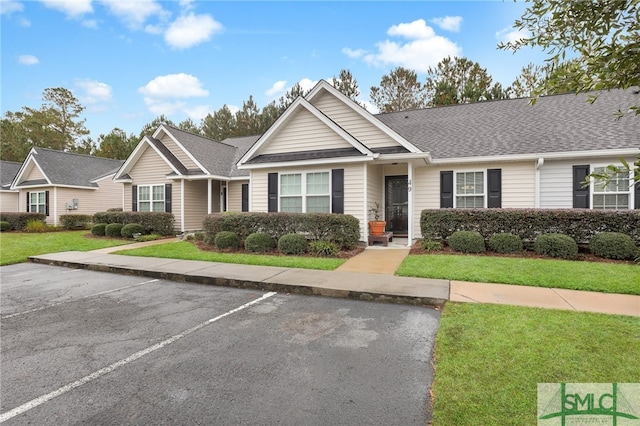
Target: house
8, 197
56, 183
185, 174
327, 154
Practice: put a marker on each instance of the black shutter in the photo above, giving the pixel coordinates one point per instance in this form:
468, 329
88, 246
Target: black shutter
337, 191
273, 192
167, 198
446, 189
580, 193
46, 203
134, 198
245, 197
28, 200
637, 192
494, 182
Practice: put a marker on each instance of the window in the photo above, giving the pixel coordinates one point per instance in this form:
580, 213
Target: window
38, 202
469, 190
305, 192
151, 198
614, 195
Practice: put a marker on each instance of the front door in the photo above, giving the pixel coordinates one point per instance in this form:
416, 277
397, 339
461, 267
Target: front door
397, 204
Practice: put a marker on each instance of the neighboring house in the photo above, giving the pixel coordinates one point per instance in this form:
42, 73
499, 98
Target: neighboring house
185, 174
8, 197
327, 154
57, 183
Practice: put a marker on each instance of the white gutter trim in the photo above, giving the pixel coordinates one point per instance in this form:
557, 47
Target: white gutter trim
537, 196
535, 156
406, 156
182, 206
327, 161
198, 177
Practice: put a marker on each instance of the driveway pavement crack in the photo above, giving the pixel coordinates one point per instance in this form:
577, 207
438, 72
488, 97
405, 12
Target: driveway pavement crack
565, 300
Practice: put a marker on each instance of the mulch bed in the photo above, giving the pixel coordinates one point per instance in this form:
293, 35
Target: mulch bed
344, 254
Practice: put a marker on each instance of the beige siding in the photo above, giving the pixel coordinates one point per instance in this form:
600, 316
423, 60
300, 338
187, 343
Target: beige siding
304, 132
518, 185
195, 204
375, 186
179, 152
353, 122
90, 201
34, 173
235, 195
258, 190
9, 201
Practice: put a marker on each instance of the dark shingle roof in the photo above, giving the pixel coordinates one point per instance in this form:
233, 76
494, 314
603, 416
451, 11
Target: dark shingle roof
8, 170
242, 144
65, 168
510, 127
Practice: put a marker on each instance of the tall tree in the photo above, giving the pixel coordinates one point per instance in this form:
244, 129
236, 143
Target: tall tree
150, 128
248, 119
270, 113
292, 94
219, 126
347, 85
531, 78
457, 81
189, 126
116, 144
64, 112
399, 90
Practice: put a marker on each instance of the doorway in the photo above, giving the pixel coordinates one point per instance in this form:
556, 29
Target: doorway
397, 205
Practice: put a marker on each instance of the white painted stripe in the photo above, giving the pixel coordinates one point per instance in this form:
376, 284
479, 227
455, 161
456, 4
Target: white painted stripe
75, 300
96, 374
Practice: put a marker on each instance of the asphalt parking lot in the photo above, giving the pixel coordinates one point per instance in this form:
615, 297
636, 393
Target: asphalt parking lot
84, 347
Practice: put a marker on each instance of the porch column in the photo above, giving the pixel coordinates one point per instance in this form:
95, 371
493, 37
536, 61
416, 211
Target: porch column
209, 200
410, 232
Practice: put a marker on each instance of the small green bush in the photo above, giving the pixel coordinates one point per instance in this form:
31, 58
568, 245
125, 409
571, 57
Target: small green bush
75, 221
153, 222
99, 229
467, 242
431, 245
4, 226
150, 237
35, 225
293, 244
259, 242
324, 248
613, 245
505, 243
556, 245
227, 240
113, 230
129, 229
199, 236
18, 221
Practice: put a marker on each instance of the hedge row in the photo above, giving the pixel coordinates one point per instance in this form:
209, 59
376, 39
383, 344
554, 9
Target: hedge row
153, 222
75, 221
341, 229
579, 224
18, 221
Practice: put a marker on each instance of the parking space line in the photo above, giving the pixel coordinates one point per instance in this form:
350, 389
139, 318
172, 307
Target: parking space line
74, 300
106, 370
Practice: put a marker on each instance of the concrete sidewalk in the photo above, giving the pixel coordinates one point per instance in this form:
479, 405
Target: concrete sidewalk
376, 285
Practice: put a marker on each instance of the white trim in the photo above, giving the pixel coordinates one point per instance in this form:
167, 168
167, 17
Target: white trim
182, 206
538, 182
322, 161
406, 156
365, 203
484, 187
51, 185
534, 156
123, 198
18, 176
303, 187
594, 185
410, 207
324, 85
209, 198
103, 178
182, 147
151, 199
55, 206
199, 177
135, 156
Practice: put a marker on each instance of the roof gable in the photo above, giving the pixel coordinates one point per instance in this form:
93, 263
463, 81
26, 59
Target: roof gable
162, 151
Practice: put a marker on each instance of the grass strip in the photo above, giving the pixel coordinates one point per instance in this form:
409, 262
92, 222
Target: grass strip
188, 251
490, 358
550, 273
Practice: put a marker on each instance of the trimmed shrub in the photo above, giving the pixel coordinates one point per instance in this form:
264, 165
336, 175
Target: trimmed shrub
613, 245
150, 237
99, 229
18, 221
293, 244
431, 245
153, 222
113, 230
199, 236
75, 221
4, 226
129, 229
505, 243
35, 225
556, 245
467, 242
324, 248
259, 242
227, 240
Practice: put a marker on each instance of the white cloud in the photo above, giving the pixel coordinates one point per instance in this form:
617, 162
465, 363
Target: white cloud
277, 88
354, 53
423, 50
135, 13
90, 23
191, 29
307, 84
7, 7
233, 108
94, 92
174, 86
449, 23
71, 8
158, 107
28, 60
511, 35
197, 112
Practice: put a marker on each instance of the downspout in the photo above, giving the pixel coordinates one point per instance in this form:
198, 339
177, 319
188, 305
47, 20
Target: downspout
539, 164
55, 206
365, 212
209, 200
410, 203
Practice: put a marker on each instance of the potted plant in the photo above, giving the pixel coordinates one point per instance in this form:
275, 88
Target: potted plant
376, 226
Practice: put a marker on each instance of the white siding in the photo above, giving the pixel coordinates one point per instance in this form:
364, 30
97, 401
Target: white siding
179, 153
304, 132
353, 122
375, 193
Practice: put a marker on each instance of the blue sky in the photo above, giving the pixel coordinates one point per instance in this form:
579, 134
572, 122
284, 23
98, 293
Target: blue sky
130, 61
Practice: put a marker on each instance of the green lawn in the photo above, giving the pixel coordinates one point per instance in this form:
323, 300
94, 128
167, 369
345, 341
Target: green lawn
16, 247
188, 251
576, 275
490, 358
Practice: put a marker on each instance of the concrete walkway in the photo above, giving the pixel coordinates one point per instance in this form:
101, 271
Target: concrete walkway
367, 276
